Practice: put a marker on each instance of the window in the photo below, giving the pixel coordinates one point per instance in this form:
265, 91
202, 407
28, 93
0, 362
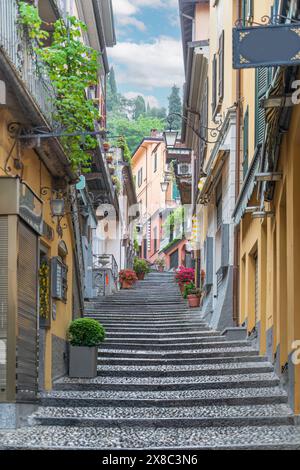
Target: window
59, 271
263, 79
214, 84
140, 177
221, 66
155, 163
246, 143
247, 11
219, 204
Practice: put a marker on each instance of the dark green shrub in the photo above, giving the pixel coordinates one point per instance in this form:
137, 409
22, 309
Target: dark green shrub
86, 332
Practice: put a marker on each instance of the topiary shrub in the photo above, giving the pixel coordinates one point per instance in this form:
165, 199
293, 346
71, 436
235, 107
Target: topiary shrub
86, 332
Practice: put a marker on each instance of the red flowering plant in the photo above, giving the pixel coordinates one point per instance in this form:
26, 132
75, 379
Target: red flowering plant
184, 275
127, 275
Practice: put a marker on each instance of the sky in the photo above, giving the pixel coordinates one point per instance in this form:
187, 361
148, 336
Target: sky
148, 57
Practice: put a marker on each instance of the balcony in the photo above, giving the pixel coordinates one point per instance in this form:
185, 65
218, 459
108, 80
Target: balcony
21, 61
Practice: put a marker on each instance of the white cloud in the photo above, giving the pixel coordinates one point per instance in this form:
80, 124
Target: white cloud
124, 7
125, 11
149, 65
132, 21
152, 100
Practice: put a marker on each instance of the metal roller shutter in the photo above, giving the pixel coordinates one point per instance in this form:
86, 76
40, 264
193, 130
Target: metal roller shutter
27, 349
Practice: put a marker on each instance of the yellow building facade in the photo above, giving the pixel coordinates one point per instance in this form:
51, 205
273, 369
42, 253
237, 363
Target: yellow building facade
263, 217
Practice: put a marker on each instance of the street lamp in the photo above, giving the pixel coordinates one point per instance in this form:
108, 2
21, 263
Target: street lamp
170, 138
57, 207
164, 185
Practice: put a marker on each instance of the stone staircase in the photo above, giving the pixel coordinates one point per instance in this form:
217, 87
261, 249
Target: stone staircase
165, 380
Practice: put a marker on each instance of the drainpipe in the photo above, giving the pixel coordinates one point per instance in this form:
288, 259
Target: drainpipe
236, 273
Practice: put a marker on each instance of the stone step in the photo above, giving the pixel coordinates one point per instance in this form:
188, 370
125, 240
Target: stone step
134, 339
152, 438
222, 415
145, 334
169, 383
126, 361
158, 325
184, 370
237, 396
182, 354
170, 330
169, 346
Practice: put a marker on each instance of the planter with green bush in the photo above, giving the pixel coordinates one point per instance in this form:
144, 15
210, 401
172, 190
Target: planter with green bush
140, 267
85, 335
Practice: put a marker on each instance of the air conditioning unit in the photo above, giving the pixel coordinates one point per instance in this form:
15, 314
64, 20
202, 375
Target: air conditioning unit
184, 169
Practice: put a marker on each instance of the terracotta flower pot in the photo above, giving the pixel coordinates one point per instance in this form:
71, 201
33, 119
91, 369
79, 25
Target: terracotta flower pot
126, 284
193, 300
141, 276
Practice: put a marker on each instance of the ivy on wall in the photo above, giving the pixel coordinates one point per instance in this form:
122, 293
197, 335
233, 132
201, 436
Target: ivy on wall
72, 67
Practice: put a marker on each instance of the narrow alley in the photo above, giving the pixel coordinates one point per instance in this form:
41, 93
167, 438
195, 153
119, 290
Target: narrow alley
165, 380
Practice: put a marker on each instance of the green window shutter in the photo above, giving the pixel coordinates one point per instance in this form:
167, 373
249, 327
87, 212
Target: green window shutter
221, 65
246, 143
247, 11
263, 78
214, 84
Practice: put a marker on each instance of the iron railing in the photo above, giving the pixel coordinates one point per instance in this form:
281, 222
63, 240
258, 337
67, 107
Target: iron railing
106, 261
18, 51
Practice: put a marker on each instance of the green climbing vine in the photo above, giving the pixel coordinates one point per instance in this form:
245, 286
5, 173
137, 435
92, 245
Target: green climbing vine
29, 18
122, 144
72, 67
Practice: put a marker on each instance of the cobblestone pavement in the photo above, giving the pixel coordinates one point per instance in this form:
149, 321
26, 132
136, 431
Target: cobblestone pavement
165, 380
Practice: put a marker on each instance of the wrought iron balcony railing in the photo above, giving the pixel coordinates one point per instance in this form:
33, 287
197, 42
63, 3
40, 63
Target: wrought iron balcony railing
23, 61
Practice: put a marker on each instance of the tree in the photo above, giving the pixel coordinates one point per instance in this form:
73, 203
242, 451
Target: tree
133, 130
175, 107
112, 82
139, 107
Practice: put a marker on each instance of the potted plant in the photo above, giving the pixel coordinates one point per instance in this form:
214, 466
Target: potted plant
127, 278
160, 263
106, 146
140, 267
184, 276
85, 335
192, 294
112, 169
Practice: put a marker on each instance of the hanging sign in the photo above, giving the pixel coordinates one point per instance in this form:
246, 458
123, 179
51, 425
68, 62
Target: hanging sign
266, 46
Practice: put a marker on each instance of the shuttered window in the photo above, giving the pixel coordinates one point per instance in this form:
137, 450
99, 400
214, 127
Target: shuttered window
214, 84
221, 66
263, 78
247, 11
246, 143
219, 204
140, 177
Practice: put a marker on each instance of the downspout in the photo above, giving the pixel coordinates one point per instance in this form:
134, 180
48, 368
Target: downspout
236, 273
146, 148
